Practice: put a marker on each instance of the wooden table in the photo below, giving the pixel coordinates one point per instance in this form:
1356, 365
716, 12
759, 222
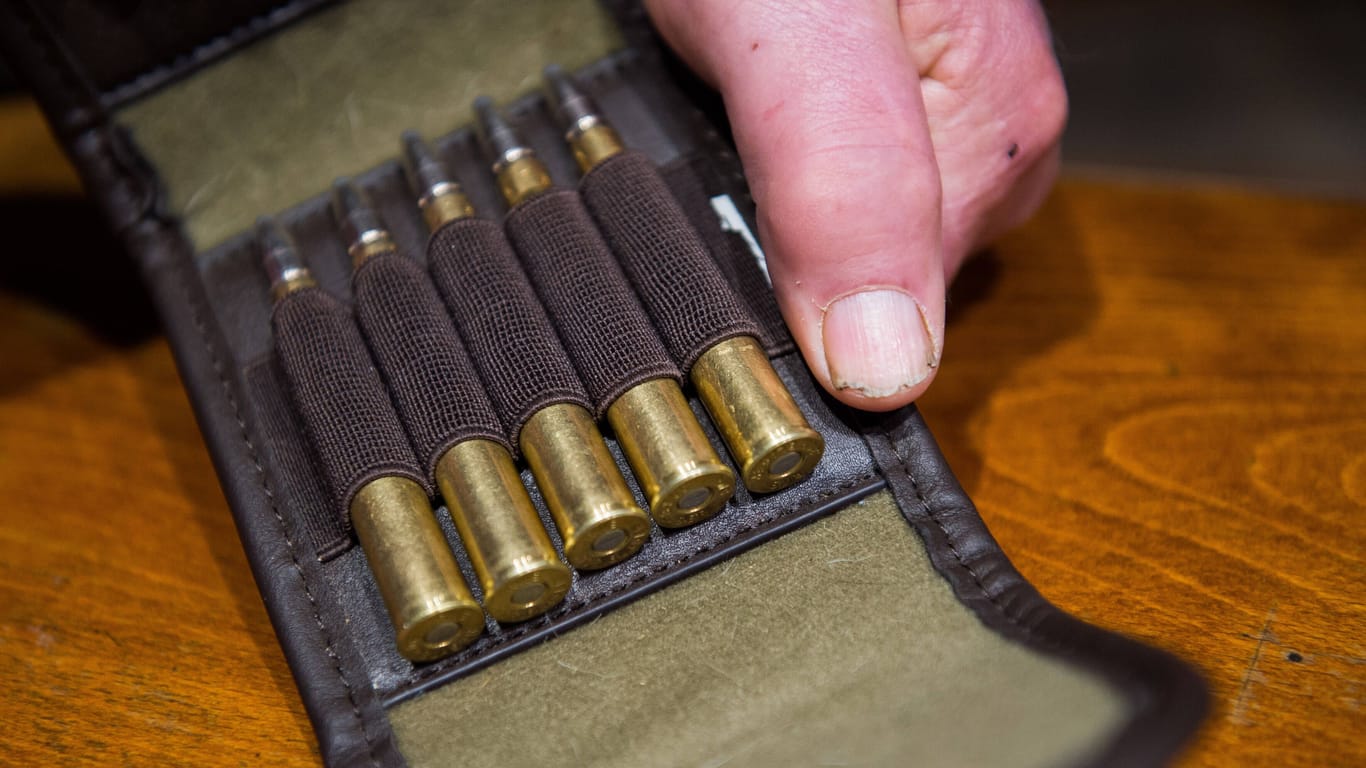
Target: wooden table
1156, 393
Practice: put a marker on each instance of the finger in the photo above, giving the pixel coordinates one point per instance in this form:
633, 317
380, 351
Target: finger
825, 106
996, 108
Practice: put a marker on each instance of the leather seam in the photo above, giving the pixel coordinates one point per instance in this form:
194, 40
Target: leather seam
925, 504
329, 644
904, 468
198, 55
567, 608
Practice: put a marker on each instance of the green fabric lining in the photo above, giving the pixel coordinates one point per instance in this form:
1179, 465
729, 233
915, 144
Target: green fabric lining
274, 123
837, 644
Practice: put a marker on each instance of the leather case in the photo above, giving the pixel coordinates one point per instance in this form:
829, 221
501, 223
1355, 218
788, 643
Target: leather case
88, 63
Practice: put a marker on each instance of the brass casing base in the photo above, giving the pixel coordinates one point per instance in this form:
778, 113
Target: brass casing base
432, 610
521, 178
517, 566
440, 208
764, 429
597, 516
594, 144
683, 478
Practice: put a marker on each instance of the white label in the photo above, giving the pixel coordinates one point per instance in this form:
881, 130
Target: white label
732, 221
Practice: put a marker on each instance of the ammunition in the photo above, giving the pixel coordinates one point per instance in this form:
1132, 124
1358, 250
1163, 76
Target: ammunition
761, 424
597, 516
287, 271
683, 479
518, 569
756, 415
365, 234
590, 137
432, 610
592, 507
520, 173
517, 566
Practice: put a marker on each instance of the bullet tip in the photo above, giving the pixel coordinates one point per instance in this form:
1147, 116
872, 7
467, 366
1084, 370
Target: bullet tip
282, 263
495, 135
353, 210
569, 104
424, 170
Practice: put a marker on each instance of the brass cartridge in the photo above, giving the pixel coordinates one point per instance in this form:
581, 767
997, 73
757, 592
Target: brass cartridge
518, 569
286, 270
672, 458
684, 480
519, 572
593, 509
591, 138
365, 233
429, 604
432, 610
596, 514
756, 415
761, 424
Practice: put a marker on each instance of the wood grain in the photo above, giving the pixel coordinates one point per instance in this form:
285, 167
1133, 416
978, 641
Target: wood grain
131, 632
1156, 393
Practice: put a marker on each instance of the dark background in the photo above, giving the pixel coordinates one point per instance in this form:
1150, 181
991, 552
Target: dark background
1271, 93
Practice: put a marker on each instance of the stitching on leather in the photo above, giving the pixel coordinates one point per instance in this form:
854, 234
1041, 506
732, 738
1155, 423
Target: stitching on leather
904, 467
201, 327
1125, 678
569, 607
122, 91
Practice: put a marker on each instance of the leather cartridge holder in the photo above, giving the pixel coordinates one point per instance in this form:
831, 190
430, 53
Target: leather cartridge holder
101, 75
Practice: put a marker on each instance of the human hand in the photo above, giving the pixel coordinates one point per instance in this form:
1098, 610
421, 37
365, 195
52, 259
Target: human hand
883, 142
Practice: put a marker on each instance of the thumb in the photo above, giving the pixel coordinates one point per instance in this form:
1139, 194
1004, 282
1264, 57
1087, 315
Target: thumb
826, 110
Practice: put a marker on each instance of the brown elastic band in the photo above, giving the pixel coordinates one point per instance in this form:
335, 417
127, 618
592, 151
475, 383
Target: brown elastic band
602, 325
340, 396
693, 181
299, 484
509, 337
435, 388
688, 299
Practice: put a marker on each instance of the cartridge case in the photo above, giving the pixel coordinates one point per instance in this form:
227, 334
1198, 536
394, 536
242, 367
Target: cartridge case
597, 516
444, 204
432, 610
593, 143
520, 176
756, 416
519, 572
289, 282
683, 479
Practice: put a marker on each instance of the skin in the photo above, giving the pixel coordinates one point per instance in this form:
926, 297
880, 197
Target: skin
883, 142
